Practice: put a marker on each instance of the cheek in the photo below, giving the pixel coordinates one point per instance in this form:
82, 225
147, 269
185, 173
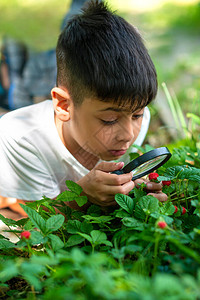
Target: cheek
137, 130
86, 133
137, 126
105, 135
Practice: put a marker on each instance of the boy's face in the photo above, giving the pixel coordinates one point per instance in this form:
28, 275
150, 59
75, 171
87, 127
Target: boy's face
103, 129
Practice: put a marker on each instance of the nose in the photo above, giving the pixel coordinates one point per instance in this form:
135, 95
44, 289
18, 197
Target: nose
125, 132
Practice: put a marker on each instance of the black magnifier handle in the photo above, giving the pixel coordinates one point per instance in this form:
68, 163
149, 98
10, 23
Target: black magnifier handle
118, 172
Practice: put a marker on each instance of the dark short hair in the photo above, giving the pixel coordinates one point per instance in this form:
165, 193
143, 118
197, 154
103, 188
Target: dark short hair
100, 54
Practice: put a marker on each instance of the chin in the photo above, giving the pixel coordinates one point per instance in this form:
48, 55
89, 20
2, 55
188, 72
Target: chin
108, 157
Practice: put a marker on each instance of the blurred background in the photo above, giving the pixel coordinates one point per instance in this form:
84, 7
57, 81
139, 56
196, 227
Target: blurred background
171, 31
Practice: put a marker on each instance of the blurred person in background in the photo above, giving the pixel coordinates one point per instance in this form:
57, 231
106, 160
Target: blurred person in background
27, 77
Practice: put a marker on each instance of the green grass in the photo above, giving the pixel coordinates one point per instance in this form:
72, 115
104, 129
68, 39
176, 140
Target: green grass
36, 23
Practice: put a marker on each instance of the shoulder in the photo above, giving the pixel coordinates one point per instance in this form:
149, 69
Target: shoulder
22, 121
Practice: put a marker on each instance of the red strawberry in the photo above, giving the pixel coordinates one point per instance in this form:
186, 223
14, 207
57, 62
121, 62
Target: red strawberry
183, 210
162, 224
176, 209
167, 182
153, 176
25, 235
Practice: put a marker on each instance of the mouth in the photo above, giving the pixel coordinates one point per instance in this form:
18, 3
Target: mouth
118, 152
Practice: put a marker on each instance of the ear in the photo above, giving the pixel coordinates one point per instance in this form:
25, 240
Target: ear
62, 103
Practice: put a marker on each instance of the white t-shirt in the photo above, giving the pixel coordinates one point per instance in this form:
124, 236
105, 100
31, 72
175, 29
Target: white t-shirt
33, 160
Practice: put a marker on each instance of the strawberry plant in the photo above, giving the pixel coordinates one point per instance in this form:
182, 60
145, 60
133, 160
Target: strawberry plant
139, 249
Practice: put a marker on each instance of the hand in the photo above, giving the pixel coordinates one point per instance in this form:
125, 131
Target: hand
153, 188
101, 186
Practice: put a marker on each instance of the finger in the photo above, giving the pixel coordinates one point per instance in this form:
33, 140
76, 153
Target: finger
160, 196
109, 166
114, 179
119, 189
140, 181
153, 186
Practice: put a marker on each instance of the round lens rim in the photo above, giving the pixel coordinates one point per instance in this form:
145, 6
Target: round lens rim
145, 158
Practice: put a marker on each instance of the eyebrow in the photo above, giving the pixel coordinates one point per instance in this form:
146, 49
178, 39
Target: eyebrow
114, 109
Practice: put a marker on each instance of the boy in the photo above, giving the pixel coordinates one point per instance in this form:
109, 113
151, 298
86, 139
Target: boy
105, 79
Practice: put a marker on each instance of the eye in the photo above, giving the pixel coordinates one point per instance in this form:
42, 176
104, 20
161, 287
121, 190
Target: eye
108, 122
136, 117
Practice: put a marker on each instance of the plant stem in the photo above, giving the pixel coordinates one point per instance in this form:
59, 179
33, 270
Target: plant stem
50, 268
146, 219
93, 248
30, 250
63, 236
181, 199
185, 194
156, 252
176, 189
33, 291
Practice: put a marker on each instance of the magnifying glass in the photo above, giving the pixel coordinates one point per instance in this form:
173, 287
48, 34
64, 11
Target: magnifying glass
146, 163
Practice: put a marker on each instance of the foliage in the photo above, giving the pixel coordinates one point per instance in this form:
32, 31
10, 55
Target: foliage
119, 253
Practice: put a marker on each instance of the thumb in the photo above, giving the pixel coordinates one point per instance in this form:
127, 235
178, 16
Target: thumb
109, 166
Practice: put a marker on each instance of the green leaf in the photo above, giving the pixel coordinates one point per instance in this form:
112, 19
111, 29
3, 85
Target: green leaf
33, 281
94, 211
37, 238
139, 212
73, 226
74, 240
168, 219
133, 155
163, 178
4, 244
86, 227
37, 220
98, 220
74, 187
138, 193
54, 223
194, 117
22, 222
3, 237
107, 243
81, 200
8, 222
9, 271
145, 206
183, 172
125, 202
56, 242
132, 222
168, 209
148, 148
72, 196
31, 273
131, 249
67, 196
86, 236
121, 214
49, 206
99, 237
156, 215
36, 204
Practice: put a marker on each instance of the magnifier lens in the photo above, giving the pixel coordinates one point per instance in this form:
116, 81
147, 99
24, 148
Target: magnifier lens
146, 163
149, 165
